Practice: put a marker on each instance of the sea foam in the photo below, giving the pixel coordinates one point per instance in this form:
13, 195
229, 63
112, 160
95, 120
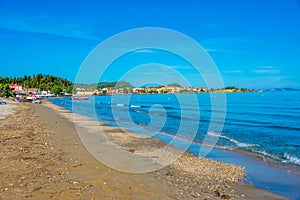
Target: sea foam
237, 143
291, 159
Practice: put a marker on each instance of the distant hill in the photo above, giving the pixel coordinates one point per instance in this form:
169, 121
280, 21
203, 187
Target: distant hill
281, 89
120, 84
115, 84
152, 85
174, 85
123, 84
106, 84
84, 85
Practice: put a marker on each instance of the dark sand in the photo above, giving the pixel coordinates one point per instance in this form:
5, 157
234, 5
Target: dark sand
42, 157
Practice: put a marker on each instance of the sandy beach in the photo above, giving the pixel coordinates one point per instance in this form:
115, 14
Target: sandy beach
6, 109
42, 157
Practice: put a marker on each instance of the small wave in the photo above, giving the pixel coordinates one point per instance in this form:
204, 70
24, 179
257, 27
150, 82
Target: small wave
285, 159
264, 153
135, 106
121, 104
213, 134
138, 111
237, 143
291, 159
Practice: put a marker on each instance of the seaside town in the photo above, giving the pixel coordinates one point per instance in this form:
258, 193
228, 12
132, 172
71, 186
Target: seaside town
50, 86
168, 89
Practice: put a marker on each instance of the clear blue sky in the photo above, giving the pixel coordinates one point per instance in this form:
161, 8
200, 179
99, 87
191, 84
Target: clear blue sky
255, 43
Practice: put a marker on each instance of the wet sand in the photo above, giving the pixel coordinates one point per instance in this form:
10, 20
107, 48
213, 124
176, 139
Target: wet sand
43, 157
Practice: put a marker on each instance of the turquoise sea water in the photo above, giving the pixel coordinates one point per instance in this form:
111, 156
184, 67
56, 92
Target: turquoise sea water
266, 124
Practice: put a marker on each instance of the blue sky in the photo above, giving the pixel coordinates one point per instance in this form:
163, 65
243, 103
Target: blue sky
253, 43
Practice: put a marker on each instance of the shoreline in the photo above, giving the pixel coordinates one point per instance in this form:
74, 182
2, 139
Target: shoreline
277, 162
266, 159
64, 110
256, 169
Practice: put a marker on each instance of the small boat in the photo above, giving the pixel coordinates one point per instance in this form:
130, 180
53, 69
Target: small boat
33, 97
79, 98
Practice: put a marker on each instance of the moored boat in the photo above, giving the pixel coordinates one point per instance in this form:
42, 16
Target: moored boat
33, 97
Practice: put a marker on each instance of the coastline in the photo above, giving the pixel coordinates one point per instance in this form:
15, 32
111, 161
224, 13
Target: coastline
238, 191
267, 160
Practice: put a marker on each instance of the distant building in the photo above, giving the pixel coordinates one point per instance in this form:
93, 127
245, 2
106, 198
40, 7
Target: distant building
203, 89
46, 93
110, 90
137, 90
16, 87
200, 89
32, 90
80, 89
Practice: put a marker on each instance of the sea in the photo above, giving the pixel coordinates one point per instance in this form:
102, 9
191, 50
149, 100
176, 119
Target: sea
262, 129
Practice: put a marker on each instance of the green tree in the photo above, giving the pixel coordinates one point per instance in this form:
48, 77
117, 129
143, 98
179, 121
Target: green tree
68, 89
6, 91
56, 90
231, 88
125, 90
130, 90
44, 86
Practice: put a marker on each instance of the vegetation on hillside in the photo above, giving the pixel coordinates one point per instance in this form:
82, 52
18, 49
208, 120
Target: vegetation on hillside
42, 82
101, 85
120, 84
